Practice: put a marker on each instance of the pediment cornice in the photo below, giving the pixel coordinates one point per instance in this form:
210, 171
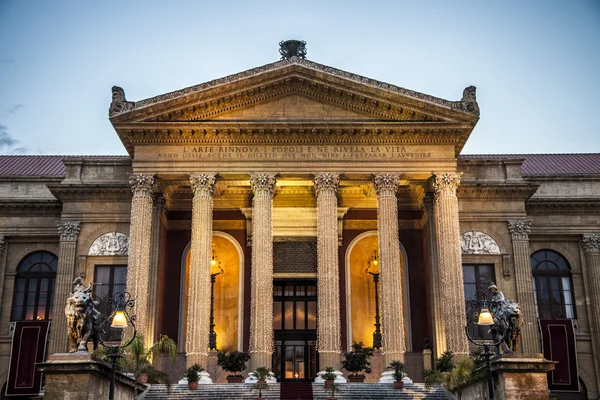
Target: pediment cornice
378, 99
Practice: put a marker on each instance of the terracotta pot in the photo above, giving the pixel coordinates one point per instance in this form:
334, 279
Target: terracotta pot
143, 378
262, 384
328, 383
193, 385
235, 379
398, 385
356, 378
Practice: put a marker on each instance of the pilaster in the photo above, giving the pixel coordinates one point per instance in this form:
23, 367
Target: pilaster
439, 329
590, 243
3, 245
392, 313
140, 240
261, 307
329, 330
198, 317
450, 261
157, 210
69, 232
519, 230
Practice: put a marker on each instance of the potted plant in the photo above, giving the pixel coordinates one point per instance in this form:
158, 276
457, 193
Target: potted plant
332, 389
192, 376
329, 377
357, 361
137, 359
261, 374
398, 368
233, 362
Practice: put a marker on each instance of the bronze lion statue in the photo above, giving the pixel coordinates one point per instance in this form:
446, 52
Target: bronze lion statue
84, 321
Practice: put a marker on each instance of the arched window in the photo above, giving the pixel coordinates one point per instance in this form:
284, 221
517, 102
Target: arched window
552, 285
34, 287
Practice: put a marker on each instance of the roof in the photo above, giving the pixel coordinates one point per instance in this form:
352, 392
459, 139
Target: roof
534, 164
548, 164
42, 166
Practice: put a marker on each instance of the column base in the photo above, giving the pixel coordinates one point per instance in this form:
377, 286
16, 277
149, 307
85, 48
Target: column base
199, 359
329, 360
260, 360
339, 377
251, 379
388, 377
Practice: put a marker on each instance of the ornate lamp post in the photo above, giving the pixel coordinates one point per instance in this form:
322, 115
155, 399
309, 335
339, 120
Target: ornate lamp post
215, 270
121, 305
487, 313
373, 269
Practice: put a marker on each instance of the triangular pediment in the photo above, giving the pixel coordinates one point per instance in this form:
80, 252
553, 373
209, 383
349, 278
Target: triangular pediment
291, 91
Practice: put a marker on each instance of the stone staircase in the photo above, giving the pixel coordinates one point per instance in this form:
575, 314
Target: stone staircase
351, 391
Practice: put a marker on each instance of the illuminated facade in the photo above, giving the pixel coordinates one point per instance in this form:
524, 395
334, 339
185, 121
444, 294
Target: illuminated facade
296, 177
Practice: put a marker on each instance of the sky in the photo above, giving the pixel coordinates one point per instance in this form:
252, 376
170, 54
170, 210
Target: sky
536, 64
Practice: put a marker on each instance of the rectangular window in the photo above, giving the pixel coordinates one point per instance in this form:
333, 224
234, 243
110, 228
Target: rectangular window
477, 277
108, 280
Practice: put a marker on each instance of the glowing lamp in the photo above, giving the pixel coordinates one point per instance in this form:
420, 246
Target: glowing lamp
485, 316
119, 320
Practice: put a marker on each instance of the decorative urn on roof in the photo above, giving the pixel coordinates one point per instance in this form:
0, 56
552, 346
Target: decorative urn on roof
292, 48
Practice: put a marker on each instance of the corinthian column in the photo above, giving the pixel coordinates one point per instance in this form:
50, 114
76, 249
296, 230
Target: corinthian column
198, 319
157, 210
138, 263
390, 278
450, 261
591, 248
519, 230
329, 345
69, 231
261, 303
439, 330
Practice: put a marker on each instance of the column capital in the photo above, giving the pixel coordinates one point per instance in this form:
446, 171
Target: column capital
590, 243
159, 203
141, 185
327, 182
262, 182
2, 243
448, 181
203, 181
69, 230
385, 183
519, 229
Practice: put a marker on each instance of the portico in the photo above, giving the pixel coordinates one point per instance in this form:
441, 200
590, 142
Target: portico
296, 152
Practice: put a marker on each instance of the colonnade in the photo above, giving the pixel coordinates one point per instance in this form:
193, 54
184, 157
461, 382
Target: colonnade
261, 307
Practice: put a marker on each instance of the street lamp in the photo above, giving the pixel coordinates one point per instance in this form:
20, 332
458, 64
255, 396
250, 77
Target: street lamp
373, 269
121, 305
486, 313
215, 270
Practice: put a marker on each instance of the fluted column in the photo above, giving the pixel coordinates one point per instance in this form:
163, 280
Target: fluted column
157, 210
390, 278
450, 261
198, 318
69, 231
261, 303
519, 230
439, 330
591, 248
138, 263
328, 342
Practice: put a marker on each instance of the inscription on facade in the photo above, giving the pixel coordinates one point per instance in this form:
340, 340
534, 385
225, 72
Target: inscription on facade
290, 152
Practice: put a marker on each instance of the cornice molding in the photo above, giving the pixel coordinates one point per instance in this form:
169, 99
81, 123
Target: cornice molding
120, 105
563, 206
27, 207
482, 191
72, 193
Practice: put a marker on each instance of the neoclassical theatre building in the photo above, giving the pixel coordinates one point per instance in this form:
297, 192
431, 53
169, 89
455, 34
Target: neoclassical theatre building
320, 208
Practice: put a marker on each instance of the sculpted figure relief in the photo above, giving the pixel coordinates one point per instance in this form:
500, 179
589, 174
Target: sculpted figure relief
510, 313
475, 242
84, 321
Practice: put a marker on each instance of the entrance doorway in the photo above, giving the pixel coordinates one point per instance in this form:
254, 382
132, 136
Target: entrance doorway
295, 328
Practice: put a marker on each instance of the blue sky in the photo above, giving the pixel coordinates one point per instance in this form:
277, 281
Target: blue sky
535, 63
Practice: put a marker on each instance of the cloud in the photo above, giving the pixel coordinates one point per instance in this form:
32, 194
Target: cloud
15, 108
22, 150
6, 140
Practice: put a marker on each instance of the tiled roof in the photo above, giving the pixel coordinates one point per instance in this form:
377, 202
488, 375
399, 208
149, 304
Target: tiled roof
41, 166
548, 164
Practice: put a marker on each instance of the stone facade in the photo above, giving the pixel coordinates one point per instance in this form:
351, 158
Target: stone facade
298, 152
